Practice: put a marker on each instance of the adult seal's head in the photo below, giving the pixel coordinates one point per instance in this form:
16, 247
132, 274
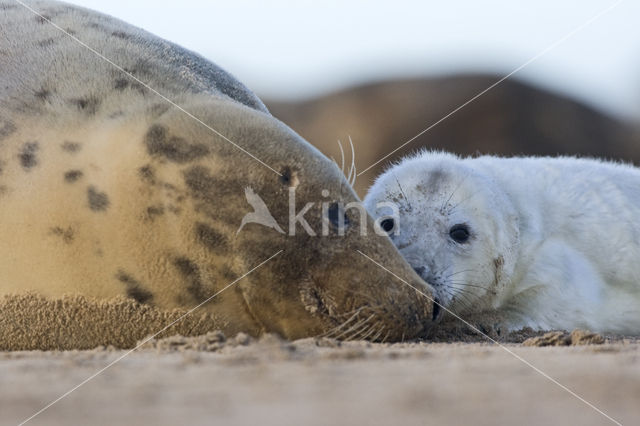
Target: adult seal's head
166, 181
453, 224
321, 282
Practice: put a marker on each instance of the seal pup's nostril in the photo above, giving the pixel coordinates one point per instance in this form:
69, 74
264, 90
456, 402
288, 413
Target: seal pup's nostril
436, 309
419, 270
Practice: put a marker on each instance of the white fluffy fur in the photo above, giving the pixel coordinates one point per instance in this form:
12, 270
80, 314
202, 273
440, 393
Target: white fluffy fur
555, 242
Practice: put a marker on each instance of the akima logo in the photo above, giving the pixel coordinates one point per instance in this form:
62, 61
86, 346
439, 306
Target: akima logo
260, 213
333, 215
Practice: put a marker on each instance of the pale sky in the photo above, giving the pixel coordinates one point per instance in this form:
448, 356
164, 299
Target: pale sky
298, 48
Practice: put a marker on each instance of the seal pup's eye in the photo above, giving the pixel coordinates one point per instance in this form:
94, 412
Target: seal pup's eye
459, 233
387, 225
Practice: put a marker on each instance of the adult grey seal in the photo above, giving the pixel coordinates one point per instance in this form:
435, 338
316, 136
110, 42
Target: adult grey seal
108, 189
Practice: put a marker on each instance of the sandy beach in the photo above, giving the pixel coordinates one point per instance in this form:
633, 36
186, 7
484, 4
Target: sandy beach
210, 380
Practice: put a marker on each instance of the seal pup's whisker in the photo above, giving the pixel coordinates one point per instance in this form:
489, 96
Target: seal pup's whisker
459, 272
463, 283
463, 291
402, 191
453, 208
460, 283
468, 304
459, 298
444, 204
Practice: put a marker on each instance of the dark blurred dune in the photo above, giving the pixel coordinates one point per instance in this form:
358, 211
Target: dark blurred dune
513, 118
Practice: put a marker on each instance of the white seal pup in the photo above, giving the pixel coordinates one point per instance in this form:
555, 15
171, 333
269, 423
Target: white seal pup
548, 243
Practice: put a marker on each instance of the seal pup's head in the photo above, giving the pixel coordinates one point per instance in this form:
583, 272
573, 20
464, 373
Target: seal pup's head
453, 224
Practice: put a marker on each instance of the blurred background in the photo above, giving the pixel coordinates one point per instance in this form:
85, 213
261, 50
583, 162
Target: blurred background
382, 72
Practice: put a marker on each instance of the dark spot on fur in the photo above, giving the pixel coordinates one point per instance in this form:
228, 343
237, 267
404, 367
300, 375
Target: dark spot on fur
146, 174
88, 105
43, 94
227, 273
43, 19
70, 31
186, 267
46, 42
169, 186
116, 114
154, 211
135, 290
209, 191
205, 186
142, 67
67, 235
191, 274
27, 156
173, 148
199, 180
7, 128
157, 110
98, 201
436, 178
121, 34
121, 84
72, 175
97, 26
7, 6
210, 238
71, 147
498, 265
137, 71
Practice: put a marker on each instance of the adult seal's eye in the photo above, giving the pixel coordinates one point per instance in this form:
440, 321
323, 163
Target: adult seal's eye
337, 216
459, 233
387, 225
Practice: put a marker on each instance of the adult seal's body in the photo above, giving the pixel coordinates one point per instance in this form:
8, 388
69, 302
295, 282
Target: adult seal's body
107, 189
550, 243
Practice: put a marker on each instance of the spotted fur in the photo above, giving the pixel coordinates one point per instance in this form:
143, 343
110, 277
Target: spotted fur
108, 190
